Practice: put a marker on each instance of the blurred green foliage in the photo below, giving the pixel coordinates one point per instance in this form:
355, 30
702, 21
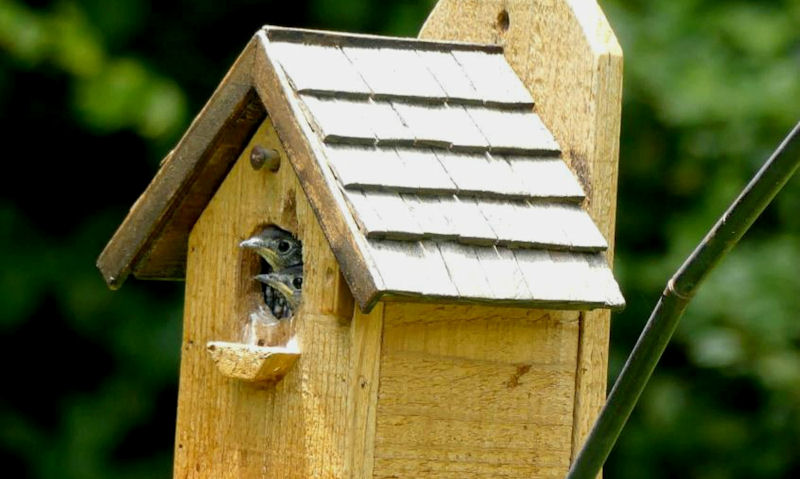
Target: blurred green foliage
94, 93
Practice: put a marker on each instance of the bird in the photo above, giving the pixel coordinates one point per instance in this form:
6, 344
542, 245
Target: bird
277, 247
288, 283
280, 250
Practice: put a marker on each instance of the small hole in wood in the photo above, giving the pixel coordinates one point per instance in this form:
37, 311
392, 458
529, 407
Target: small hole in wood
503, 22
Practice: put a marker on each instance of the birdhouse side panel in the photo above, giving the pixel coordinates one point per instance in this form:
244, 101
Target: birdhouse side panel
568, 57
475, 391
290, 429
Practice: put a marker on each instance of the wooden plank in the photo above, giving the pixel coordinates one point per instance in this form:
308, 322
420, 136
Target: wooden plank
363, 212
441, 126
543, 277
465, 270
467, 221
250, 363
363, 121
364, 380
545, 177
393, 72
513, 131
426, 169
303, 63
336, 119
479, 175
579, 229
366, 167
174, 199
325, 37
412, 269
427, 211
448, 371
506, 279
493, 78
449, 75
397, 222
388, 126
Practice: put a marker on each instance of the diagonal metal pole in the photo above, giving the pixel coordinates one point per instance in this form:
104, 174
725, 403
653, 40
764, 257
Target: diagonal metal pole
680, 289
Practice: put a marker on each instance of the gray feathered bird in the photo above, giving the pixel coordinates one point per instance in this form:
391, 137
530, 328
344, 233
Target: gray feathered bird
281, 251
288, 283
278, 248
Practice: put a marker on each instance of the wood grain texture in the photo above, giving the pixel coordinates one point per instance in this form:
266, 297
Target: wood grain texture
475, 391
247, 362
227, 428
569, 59
366, 334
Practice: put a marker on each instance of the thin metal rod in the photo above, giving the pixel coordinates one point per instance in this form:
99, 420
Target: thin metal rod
680, 289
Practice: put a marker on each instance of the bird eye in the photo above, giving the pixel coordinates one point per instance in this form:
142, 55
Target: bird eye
297, 283
283, 246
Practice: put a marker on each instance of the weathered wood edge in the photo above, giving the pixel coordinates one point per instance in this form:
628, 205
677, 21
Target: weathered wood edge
251, 363
157, 205
324, 37
595, 326
328, 203
407, 297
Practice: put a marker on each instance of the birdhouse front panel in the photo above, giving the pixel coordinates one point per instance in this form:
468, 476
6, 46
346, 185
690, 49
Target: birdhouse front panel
294, 427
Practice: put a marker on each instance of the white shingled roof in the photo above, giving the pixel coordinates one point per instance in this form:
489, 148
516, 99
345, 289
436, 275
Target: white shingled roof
456, 185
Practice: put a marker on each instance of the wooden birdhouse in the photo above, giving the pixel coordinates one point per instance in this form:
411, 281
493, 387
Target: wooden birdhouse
453, 198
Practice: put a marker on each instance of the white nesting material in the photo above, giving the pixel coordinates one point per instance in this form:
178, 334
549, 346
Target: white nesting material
506, 279
338, 119
492, 77
409, 267
440, 125
369, 167
449, 75
465, 270
394, 72
319, 68
426, 170
396, 218
513, 130
428, 212
545, 177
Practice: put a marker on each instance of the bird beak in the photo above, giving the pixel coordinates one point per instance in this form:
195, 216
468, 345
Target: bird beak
275, 283
252, 243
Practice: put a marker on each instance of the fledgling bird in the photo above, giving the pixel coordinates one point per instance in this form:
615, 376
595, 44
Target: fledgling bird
278, 248
288, 283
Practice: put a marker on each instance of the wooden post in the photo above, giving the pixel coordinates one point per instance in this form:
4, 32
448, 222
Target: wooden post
567, 55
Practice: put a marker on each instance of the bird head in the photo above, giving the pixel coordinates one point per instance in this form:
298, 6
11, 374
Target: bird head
278, 247
288, 283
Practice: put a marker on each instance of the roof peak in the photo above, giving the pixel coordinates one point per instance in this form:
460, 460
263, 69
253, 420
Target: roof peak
333, 38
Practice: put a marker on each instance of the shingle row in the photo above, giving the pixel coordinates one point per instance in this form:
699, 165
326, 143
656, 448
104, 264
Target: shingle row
459, 76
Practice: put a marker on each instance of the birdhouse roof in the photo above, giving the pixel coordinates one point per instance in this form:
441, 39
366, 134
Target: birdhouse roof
425, 162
